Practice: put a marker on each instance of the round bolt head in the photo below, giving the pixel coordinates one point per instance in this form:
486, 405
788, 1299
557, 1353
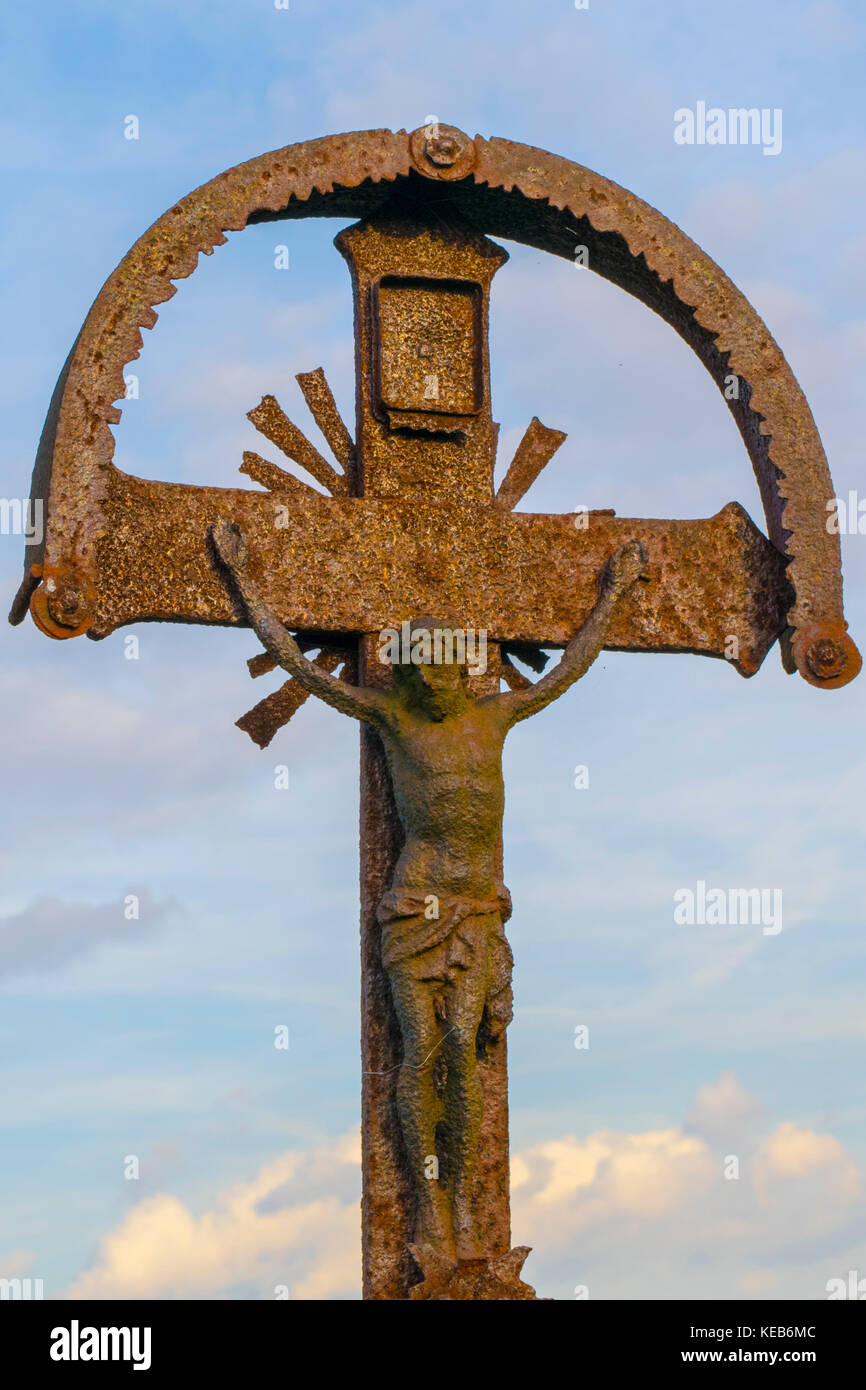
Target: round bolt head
825, 654
65, 607
442, 152
826, 659
61, 605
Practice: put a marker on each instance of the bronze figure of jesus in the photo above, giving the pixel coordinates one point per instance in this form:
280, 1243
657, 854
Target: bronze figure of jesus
442, 919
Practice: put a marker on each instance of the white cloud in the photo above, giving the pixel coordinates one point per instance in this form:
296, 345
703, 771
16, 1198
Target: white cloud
639, 1215
602, 1210
792, 1152
254, 1236
50, 933
722, 1111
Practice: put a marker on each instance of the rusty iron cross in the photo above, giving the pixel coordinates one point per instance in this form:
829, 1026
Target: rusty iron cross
411, 523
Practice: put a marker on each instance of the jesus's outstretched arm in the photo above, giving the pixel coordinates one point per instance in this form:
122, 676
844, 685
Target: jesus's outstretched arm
625, 567
361, 703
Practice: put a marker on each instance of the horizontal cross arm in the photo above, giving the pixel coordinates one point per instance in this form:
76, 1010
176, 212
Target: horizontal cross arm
347, 565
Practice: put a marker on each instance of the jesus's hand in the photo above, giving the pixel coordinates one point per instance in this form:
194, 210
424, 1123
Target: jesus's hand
626, 566
231, 545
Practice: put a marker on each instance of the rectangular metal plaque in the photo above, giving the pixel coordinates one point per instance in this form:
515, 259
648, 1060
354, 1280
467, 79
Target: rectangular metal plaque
428, 347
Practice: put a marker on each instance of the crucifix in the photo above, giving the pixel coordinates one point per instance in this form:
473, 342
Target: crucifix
409, 593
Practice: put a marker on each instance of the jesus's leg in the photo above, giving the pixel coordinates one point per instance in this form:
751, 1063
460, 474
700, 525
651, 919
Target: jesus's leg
418, 1105
464, 1101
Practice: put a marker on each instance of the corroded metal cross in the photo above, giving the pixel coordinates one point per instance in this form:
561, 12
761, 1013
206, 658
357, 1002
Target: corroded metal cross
409, 524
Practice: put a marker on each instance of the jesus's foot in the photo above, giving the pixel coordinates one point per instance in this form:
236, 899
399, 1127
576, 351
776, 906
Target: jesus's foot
496, 1278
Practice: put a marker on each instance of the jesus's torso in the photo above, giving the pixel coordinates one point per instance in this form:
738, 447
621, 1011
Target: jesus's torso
450, 797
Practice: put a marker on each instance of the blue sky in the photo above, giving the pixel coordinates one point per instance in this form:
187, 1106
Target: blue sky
154, 1038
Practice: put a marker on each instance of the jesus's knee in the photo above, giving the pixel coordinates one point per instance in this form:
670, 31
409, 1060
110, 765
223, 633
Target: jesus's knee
464, 1021
462, 1057
413, 1003
418, 1048
421, 1034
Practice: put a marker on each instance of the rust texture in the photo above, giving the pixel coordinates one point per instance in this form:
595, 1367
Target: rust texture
505, 188
364, 564
323, 408
411, 525
266, 718
407, 273
431, 467
534, 453
269, 419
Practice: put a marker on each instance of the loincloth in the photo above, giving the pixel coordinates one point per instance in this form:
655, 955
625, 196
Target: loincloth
437, 949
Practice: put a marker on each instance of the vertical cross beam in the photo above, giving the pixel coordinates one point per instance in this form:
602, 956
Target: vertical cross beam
424, 428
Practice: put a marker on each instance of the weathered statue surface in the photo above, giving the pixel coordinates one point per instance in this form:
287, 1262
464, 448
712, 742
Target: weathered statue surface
442, 919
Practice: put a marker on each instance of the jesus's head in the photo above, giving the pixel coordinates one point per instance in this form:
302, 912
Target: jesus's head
432, 662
